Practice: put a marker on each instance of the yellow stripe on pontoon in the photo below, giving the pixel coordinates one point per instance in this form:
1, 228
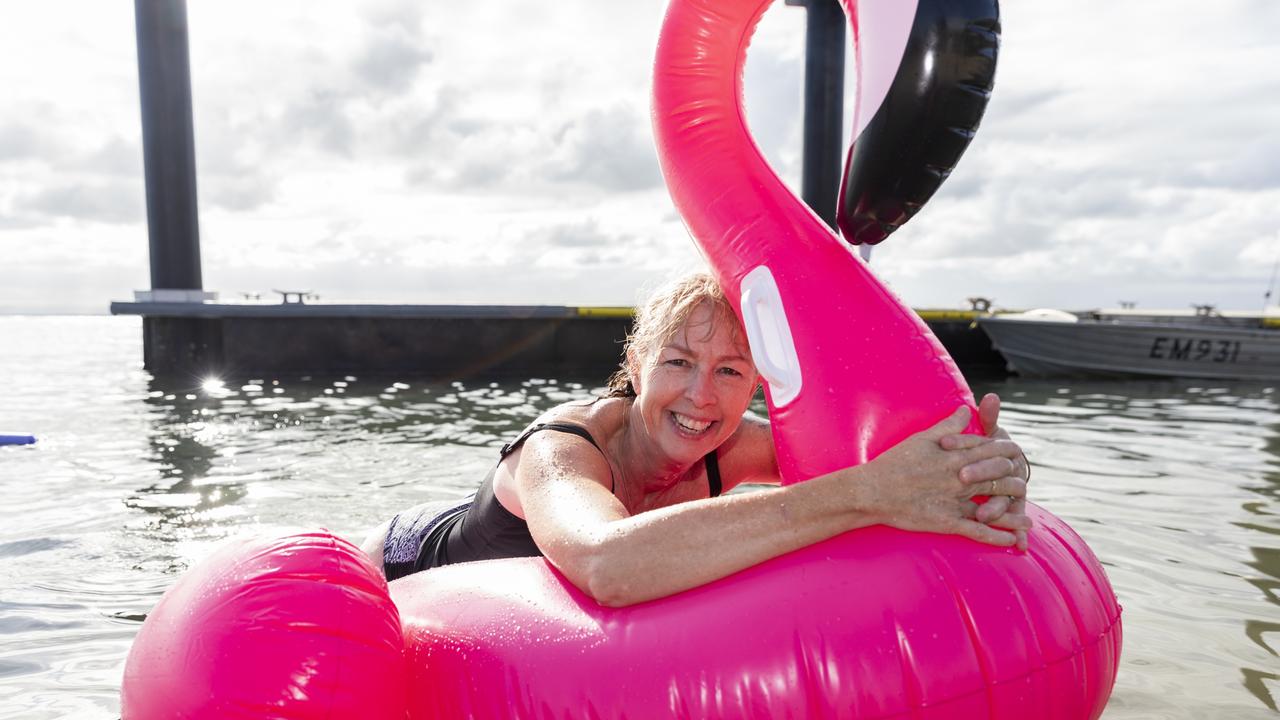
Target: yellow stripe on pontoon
938, 315
606, 311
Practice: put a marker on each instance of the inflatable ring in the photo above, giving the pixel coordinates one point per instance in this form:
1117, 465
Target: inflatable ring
291, 627
875, 623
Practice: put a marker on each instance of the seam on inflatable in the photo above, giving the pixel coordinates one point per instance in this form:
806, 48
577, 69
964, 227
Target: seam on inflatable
1034, 631
341, 665
910, 679
805, 674
1108, 598
1067, 600
1109, 603
970, 626
915, 711
1107, 634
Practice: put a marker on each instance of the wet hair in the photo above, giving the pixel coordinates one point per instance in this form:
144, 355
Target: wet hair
662, 316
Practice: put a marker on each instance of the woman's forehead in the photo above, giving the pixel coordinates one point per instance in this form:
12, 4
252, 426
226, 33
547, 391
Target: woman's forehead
705, 326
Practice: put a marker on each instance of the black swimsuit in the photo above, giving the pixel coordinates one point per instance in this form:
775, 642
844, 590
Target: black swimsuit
432, 534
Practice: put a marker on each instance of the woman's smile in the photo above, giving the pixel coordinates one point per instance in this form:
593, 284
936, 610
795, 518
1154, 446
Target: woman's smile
692, 427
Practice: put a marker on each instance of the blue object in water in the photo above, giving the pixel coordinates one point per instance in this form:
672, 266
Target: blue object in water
16, 439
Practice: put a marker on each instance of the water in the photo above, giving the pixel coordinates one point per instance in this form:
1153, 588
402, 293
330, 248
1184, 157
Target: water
1175, 486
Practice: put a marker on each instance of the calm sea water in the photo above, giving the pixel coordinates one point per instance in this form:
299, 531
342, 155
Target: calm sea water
1175, 485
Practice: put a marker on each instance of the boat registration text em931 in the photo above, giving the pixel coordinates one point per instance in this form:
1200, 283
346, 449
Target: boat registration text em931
1195, 349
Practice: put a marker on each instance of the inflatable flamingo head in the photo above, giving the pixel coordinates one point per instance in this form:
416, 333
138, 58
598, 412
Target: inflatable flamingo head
925, 74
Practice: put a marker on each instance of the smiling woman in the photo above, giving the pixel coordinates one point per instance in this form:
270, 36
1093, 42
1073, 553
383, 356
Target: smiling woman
604, 488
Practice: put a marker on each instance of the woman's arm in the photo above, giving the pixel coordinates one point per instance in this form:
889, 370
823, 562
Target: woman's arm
620, 559
750, 458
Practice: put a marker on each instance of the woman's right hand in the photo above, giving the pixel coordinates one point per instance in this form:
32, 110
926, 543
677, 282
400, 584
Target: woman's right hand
917, 485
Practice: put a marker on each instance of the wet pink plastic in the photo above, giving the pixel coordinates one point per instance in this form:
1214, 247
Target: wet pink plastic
292, 627
873, 372
875, 623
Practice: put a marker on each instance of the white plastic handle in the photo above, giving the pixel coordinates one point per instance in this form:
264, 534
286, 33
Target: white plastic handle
769, 335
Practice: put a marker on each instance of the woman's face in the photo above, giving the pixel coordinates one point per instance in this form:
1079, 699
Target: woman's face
691, 391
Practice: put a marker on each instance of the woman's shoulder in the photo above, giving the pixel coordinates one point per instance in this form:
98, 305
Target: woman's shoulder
750, 433
601, 417
748, 455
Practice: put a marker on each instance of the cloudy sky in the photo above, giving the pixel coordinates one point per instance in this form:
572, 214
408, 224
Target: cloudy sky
500, 152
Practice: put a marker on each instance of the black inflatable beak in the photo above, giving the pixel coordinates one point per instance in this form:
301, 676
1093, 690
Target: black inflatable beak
932, 110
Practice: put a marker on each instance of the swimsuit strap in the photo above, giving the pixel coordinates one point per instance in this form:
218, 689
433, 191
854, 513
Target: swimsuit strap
713, 473
559, 427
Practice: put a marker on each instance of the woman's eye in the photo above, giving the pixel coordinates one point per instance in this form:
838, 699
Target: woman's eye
678, 362
729, 371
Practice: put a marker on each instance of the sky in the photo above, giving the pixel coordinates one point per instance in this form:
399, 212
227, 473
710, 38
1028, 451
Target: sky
451, 152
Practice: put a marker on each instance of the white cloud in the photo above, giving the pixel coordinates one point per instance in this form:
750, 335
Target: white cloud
501, 152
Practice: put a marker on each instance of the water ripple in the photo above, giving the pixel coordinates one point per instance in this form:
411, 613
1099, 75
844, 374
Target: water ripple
1175, 485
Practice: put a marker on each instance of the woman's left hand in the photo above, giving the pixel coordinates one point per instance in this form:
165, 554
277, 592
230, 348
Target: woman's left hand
1000, 511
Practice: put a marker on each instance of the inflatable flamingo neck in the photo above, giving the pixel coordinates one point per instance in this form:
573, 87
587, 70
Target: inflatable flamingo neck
706, 151
850, 371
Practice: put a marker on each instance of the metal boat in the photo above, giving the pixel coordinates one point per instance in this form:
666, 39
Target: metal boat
1200, 344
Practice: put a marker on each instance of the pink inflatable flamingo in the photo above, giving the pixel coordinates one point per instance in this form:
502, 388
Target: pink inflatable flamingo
875, 623
850, 370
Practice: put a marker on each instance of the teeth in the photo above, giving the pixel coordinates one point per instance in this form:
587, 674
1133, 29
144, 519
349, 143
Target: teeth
690, 424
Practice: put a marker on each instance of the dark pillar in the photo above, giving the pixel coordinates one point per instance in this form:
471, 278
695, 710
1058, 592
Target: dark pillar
823, 105
168, 143
184, 348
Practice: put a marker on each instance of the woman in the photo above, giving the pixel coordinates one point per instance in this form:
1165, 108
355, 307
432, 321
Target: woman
604, 488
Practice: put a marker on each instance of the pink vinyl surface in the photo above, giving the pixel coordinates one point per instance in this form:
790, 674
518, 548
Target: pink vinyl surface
875, 623
873, 372
291, 627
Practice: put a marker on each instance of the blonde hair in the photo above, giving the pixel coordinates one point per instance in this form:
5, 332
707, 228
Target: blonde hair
662, 316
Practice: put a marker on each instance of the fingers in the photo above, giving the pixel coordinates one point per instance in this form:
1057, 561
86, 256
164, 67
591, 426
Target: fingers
993, 535
987, 470
952, 424
1014, 518
965, 441
986, 534
1020, 508
992, 510
1008, 485
989, 412
991, 448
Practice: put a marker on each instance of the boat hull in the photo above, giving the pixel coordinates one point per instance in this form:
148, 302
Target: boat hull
1092, 349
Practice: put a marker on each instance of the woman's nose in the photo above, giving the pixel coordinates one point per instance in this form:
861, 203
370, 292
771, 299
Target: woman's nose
702, 389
